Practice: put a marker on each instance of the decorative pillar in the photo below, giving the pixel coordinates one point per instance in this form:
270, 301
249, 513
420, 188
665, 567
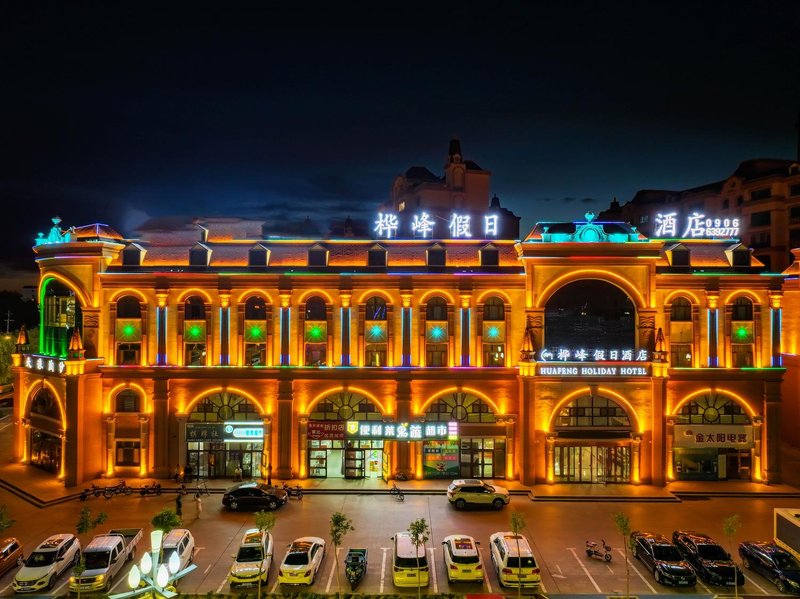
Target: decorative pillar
144, 444
510, 422
302, 421
465, 332
670, 443
776, 316
406, 330
756, 472
91, 331
345, 317
636, 447
266, 445
182, 452
111, 440
161, 329
111, 357
285, 322
536, 319
550, 459
284, 416
224, 328
144, 358
772, 431
647, 325
403, 403
711, 299
161, 429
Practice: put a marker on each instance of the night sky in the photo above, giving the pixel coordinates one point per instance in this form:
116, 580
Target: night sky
118, 114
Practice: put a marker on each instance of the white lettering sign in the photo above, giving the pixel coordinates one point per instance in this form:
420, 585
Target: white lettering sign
697, 225
589, 371
666, 225
422, 225
459, 226
565, 354
490, 225
386, 225
402, 431
45, 364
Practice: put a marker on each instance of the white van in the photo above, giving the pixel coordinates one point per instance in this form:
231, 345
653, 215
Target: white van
407, 569
514, 561
180, 541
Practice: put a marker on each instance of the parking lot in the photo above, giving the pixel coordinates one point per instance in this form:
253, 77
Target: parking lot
557, 532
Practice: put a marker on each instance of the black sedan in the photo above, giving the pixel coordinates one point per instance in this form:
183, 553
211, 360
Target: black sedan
773, 563
254, 496
663, 559
711, 562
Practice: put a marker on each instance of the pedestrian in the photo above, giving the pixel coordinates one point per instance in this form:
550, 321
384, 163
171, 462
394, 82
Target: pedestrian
199, 503
187, 473
212, 465
178, 505
237, 474
177, 475
269, 474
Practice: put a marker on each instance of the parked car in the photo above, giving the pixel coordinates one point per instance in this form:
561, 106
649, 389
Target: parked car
302, 561
773, 563
10, 554
104, 557
47, 563
710, 561
462, 559
254, 496
181, 542
663, 559
253, 559
513, 560
471, 491
409, 562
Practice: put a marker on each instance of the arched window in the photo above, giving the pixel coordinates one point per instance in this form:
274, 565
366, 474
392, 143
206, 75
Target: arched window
376, 333
44, 403
255, 331
316, 332
224, 407
712, 408
436, 332
128, 331
60, 314
592, 411
681, 333
742, 333
127, 400
345, 405
194, 331
494, 332
460, 407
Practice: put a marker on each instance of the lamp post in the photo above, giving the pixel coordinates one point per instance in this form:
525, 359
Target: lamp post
157, 576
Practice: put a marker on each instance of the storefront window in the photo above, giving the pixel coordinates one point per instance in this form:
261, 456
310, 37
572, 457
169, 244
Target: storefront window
60, 312
593, 411
712, 409
255, 331
436, 332
376, 332
460, 407
345, 405
45, 451
128, 453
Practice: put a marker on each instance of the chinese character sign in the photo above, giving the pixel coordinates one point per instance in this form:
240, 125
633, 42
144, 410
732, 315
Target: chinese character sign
490, 225
460, 226
386, 225
422, 225
695, 226
666, 225
566, 354
402, 431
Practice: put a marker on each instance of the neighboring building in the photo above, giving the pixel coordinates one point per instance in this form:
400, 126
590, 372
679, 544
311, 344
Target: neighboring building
763, 195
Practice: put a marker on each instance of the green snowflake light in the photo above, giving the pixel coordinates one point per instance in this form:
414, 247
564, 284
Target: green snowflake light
437, 333
255, 331
194, 331
128, 330
376, 331
742, 333
315, 332
493, 332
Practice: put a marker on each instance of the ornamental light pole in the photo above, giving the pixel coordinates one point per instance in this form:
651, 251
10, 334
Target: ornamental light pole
156, 576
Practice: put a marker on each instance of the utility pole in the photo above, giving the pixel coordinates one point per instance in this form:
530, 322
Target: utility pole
9, 320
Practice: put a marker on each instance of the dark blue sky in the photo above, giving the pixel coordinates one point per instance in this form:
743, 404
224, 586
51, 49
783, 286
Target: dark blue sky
112, 114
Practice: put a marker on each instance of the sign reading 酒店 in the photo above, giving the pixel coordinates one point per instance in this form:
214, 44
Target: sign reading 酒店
713, 435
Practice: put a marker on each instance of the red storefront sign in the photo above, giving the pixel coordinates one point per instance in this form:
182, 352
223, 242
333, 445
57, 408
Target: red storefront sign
326, 430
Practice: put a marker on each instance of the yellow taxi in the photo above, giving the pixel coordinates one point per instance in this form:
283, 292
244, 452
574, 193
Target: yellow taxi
462, 559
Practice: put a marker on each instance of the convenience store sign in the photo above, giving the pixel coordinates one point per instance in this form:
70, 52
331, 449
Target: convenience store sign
401, 431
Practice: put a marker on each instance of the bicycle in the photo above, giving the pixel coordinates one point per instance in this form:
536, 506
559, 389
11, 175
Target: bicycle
397, 492
118, 489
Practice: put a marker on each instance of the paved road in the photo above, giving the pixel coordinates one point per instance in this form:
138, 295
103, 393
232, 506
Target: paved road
557, 532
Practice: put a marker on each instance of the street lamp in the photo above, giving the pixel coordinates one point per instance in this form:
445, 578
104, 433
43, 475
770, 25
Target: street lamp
156, 576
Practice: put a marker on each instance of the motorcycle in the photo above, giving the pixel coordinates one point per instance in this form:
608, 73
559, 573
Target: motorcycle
153, 489
294, 491
599, 550
92, 490
118, 489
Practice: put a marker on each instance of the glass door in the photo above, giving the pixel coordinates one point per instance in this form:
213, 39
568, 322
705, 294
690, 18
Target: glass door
354, 463
317, 461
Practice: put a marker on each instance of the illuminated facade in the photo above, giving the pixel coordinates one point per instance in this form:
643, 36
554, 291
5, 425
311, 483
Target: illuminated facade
583, 353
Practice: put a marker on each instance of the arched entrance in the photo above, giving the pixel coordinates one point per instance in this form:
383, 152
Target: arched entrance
45, 425
480, 450
213, 429
590, 441
329, 455
713, 438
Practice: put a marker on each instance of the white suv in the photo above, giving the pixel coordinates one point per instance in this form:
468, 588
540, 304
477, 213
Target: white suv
254, 558
514, 561
46, 563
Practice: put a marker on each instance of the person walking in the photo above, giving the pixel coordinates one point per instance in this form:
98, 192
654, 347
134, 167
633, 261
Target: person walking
178, 505
269, 474
187, 473
212, 466
199, 503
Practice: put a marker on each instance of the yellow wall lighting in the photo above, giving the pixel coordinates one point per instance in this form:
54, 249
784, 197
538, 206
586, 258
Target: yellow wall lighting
194, 291
746, 292
490, 292
82, 295
590, 273
127, 291
680, 292
324, 394
428, 294
421, 410
370, 292
247, 294
718, 390
312, 292
146, 408
629, 408
34, 388
211, 390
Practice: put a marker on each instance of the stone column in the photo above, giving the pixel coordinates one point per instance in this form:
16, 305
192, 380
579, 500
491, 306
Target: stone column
465, 329
303, 453
144, 444
711, 299
772, 429
181, 453
285, 358
669, 443
266, 449
775, 313
224, 328
161, 329
161, 429
403, 399
111, 440
658, 465
406, 330
511, 467
756, 472
284, 417
636, 446
112, 334
74, 430
551, 456
346, 361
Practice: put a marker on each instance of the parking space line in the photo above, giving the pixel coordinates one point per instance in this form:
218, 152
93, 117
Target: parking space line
222, 584
755, 584
485, 571
432, 566
383, 567
275, 586
61, 586
333, 569
639, 574
705, 588
583, 567
119, 582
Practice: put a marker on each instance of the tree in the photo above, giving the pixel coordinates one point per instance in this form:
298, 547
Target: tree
340, 526
166, 520
517, 526
265, 522
623, 523
419, 531
85, 524
5, 520
730, 526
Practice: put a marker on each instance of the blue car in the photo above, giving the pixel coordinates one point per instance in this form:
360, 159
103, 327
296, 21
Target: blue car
773, 563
